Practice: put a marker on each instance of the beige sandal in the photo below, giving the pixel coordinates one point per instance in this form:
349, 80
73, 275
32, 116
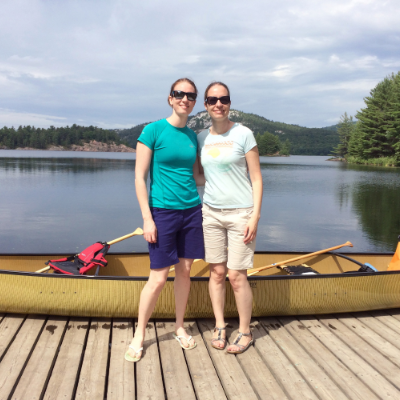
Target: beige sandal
218, 339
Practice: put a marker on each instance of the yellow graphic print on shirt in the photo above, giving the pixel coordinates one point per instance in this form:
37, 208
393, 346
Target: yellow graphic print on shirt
222, 151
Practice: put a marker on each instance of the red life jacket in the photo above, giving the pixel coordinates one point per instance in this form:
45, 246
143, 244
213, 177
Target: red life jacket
80, 263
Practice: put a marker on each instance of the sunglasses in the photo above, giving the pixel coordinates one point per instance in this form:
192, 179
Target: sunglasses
179, 95
212, 101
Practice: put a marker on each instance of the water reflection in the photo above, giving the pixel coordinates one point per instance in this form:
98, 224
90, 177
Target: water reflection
59, 165
377, 205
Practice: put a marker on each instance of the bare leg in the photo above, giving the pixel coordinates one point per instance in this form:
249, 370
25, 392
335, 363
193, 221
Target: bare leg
244, 301
148, 300
217, 291
182, 288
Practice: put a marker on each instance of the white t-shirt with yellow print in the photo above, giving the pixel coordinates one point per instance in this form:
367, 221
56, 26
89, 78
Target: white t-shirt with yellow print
225, 168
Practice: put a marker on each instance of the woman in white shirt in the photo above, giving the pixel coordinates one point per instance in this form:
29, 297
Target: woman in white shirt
231, 211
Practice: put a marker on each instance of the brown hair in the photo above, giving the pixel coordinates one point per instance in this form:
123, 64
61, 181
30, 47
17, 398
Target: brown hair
214, 84
179, 81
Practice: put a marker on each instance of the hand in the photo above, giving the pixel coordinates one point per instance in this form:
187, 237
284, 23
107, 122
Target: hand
250, 231
150, 231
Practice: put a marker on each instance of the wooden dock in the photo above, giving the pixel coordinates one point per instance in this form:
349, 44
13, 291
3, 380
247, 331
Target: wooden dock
349, 356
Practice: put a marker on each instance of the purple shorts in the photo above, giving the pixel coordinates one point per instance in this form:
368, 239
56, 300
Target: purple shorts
179, 235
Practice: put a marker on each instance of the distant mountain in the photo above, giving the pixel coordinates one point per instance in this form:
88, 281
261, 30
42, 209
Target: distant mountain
304, 141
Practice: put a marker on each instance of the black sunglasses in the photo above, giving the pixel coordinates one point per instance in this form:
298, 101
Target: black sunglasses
212, 101
179, 94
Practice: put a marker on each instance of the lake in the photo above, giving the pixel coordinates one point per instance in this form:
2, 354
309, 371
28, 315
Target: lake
61, 202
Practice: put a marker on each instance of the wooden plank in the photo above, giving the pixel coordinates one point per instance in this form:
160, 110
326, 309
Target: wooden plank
260, 377
93, 373
347, 355
231, 375
8, 328
284, 371
64, 377
386, 317
204, 377
367, 327
382, 326
311, 372
344, 378
364, 350
149, 384
18, 353
121, 375
176, 376
36, 373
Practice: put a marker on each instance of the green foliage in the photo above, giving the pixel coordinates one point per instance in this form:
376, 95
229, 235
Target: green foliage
344, 128
381, 161
377, 133
304, 141
39, 138
130, 136
285, 148
268, 144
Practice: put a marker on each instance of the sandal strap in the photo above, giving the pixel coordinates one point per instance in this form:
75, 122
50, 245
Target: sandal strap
136, 351
183, 337
219, 332
240, 335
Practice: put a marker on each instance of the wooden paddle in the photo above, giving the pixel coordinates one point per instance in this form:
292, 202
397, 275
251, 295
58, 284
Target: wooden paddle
138, 231
254, 271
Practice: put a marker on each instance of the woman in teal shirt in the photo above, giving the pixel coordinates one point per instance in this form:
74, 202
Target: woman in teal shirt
171, 212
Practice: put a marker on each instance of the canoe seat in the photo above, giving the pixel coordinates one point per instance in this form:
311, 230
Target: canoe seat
302, 269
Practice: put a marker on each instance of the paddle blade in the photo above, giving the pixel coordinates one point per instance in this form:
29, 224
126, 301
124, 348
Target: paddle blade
395, 263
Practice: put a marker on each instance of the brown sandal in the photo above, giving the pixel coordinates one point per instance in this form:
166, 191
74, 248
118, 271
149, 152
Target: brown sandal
242, 348
219, 338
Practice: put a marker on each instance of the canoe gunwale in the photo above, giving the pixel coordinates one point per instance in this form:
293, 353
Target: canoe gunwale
197, 278
146, 253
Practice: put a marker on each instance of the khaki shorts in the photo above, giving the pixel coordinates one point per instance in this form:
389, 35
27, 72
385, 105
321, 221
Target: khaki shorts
223, 237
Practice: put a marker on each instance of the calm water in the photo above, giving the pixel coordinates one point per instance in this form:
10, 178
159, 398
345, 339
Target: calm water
63, 201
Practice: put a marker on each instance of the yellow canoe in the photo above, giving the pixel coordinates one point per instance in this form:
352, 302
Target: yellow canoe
115, 292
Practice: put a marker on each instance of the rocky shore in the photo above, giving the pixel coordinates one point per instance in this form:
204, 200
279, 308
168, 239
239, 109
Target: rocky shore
93, 145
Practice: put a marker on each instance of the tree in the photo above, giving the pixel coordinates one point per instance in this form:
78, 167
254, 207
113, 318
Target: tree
268, 144
345, 129
377, 132
285, 148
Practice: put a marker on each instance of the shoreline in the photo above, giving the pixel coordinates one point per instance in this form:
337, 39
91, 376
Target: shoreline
92, 146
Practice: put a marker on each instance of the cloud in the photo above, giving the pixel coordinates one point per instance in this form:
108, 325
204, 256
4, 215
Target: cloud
111, 62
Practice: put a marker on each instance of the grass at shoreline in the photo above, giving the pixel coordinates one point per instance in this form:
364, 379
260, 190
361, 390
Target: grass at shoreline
378, 162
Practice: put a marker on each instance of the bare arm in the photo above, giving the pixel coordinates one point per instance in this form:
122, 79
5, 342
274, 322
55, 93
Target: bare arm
198, 173
253, 163
143, 159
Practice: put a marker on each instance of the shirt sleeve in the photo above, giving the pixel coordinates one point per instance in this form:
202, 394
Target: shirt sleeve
148, 136
249, 142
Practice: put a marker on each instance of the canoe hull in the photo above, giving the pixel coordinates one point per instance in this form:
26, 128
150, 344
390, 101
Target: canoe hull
277, 295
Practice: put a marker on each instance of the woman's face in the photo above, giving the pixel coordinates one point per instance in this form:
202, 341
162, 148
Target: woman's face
218, 111
183, 106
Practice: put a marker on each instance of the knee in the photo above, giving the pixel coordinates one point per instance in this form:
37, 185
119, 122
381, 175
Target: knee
237, 281
218, 276
156, 285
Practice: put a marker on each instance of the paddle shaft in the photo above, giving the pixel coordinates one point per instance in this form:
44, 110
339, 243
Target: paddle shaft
138, 231
251, 272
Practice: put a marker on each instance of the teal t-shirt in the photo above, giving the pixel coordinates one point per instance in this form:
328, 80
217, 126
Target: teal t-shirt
172, 185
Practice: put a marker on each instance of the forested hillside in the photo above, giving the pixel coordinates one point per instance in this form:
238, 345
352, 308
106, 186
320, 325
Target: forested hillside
39, 138
307, 141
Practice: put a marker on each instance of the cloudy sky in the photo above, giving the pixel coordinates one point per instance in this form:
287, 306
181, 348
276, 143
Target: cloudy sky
110, 62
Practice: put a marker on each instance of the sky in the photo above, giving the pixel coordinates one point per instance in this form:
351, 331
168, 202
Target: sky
110, 63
